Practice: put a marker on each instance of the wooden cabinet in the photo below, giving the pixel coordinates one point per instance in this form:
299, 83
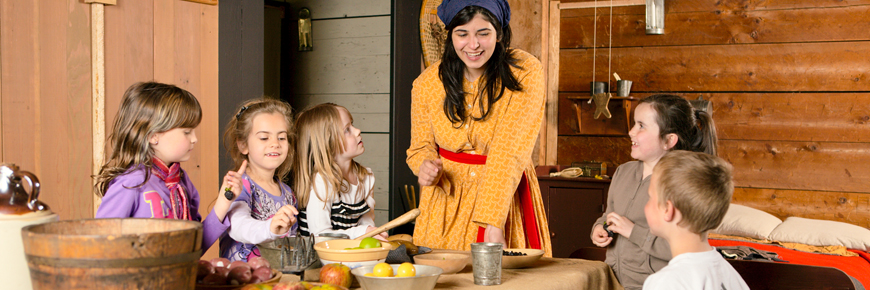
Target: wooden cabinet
572, 206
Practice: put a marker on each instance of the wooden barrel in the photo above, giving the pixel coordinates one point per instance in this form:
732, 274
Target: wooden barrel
113, 254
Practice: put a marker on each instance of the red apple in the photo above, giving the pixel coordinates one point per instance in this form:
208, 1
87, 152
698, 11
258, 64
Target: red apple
220, 262
240, 275
223, 271
258, 262
236, 264
203, 268
261, 274
337, 274
214, 279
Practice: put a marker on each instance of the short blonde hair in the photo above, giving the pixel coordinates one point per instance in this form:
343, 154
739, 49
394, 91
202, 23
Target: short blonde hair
698, 184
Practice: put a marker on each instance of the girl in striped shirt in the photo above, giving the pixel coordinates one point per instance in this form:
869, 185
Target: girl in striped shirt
333, 190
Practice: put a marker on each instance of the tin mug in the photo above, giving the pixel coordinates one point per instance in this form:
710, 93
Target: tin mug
486, 263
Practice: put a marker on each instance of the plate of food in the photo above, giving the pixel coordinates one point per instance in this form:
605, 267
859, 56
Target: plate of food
221, 274
302, 285
520, 258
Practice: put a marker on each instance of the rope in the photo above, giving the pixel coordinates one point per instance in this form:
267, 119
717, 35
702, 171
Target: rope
610, 44
594, 40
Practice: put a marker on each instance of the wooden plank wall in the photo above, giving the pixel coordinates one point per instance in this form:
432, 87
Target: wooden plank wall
173, 42
45, 99
788, 81
45, 76
350, 66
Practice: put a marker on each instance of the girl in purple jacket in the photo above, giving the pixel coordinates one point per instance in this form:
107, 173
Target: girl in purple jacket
153, 133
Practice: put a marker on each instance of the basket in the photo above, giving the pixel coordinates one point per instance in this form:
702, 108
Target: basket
432, 33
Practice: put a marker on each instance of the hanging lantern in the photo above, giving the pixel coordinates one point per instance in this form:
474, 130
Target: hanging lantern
305, 40
655, 16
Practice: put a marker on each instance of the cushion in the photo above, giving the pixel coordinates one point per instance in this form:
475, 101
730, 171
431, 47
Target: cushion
822, 233
745, 221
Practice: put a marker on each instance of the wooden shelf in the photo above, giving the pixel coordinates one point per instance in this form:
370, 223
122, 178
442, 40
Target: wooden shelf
626, 104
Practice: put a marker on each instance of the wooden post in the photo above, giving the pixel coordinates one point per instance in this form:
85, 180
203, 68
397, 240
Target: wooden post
553, 32
98, 84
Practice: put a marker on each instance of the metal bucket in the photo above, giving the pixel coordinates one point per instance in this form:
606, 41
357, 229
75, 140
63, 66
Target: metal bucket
113, 254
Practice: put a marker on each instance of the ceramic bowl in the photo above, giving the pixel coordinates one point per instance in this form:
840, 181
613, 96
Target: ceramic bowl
333, 251
514, 262
354, 264
426, 278
449, 262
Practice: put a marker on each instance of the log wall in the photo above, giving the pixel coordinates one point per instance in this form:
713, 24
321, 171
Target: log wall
788, 83
45, 86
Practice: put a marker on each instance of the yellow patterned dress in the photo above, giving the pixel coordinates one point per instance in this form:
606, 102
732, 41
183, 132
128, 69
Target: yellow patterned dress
467, 196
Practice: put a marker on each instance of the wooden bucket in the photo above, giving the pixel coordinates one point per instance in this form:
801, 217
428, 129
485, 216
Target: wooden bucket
113, 254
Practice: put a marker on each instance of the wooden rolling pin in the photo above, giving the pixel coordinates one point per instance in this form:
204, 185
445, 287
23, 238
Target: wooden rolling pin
401, 220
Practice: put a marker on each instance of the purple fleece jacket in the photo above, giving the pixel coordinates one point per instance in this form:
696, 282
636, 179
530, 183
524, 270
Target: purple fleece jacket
151, 200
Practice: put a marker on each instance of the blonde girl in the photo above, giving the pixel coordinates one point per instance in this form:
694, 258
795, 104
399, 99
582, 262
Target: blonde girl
334, 191
153, 133
259, 139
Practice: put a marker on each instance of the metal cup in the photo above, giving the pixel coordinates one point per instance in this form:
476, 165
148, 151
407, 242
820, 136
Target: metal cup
486, 262
623, 88
598, 87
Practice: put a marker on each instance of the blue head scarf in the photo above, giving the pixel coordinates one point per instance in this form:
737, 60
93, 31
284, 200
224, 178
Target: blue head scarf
500, 8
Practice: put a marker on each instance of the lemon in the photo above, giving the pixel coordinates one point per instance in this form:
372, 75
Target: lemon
406, 270
383, 270
369, 243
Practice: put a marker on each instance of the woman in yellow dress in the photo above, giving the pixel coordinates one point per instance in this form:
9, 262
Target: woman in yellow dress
475, 119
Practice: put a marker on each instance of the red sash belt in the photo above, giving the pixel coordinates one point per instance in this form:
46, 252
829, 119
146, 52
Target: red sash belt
529, 220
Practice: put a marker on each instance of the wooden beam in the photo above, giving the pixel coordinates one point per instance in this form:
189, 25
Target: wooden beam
98, 89
553, 35
794, 67
599, 4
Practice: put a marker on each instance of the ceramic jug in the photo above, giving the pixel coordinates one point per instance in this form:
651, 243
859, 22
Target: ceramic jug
18, 209
14, 199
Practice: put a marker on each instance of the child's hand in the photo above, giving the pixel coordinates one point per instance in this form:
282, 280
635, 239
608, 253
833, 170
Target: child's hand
619, 224
430, 172
382, 236
233, 182
599, 236
283, 220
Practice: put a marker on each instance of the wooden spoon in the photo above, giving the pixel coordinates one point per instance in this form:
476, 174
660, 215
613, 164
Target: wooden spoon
401, 220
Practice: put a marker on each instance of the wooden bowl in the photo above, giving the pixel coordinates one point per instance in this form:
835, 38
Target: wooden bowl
276, 276
312, 284
334, 250
515, 262
449, 262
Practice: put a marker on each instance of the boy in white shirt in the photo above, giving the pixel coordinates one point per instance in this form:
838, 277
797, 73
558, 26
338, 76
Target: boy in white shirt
689, 194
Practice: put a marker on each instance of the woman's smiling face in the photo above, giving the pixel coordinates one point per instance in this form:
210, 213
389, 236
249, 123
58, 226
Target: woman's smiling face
474, 42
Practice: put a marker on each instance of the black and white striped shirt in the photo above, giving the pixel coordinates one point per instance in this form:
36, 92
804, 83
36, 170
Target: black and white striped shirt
350, 213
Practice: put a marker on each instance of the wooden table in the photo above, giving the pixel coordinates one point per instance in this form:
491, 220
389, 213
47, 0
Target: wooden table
547, 273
